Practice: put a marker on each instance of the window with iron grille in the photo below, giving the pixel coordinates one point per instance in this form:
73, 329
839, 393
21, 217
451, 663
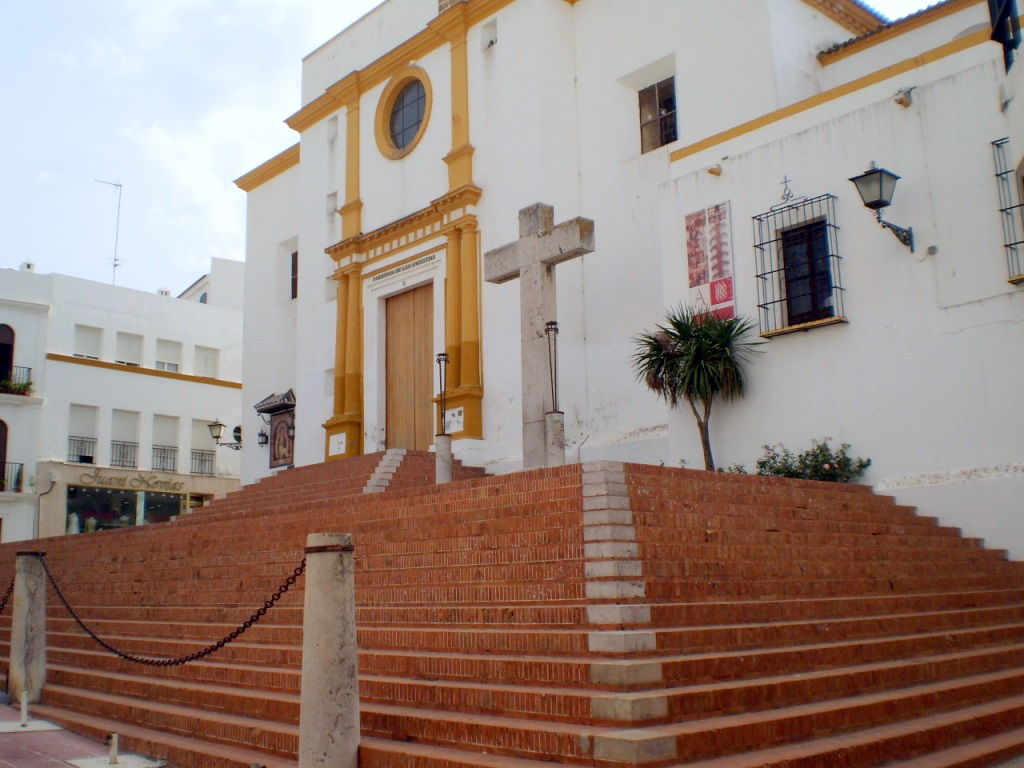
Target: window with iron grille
799, 282
658, 115
1012, 210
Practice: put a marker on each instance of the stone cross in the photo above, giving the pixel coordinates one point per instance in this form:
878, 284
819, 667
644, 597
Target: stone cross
532, 259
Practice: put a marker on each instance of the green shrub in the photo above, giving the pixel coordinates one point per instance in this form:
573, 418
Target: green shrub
820, 462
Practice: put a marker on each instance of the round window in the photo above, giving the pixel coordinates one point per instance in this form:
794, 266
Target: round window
407, 113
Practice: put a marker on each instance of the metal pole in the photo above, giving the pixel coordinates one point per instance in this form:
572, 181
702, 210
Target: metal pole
117, 226
551, 331
442, 378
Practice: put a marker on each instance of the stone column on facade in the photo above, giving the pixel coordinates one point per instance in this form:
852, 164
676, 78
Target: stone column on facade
353, 345
27, 669
329, 707
453, 306
340, 340
469, 373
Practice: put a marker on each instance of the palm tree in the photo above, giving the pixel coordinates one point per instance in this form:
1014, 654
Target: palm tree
695, 356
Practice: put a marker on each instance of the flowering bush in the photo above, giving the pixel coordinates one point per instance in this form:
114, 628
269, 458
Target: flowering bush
818, 463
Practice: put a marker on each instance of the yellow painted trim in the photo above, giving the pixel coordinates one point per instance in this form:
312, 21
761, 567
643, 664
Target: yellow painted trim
1016, 279
144, 371
380, 70
382, 120
273, 167
886, 73
848, 13
804, 327
470, 399
405, 226
897, 28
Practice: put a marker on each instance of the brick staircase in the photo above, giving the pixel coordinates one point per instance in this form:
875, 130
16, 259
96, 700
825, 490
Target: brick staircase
603, 615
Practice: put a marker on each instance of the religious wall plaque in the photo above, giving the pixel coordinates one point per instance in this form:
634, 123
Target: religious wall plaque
709, 260
282, 439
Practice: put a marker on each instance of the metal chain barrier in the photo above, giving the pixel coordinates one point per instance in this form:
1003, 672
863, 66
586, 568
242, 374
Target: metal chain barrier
7, 596
167, 662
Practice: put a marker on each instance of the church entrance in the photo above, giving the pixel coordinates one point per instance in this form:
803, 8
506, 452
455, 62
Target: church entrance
409, 324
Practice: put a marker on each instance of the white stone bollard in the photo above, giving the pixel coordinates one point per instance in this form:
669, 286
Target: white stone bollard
443, 458
112, 760
329, 704
554, 434
28, 629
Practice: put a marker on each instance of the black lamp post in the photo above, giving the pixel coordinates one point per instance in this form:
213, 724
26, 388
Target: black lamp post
442, 380
876, 187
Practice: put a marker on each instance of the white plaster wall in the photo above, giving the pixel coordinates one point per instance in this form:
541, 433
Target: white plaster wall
395, 188
320, 192
798, 32
269, 358
362, 42
227, 283
923, 378
906, 45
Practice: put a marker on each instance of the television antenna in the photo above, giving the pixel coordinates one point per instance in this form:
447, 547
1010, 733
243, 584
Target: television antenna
117, 227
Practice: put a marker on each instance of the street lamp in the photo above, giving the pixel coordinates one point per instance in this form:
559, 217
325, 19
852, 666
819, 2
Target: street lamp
876, 187
217, 431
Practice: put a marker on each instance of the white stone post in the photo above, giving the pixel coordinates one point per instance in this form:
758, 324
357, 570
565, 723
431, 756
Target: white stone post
329, 704
28, 629
444, 459
554, 435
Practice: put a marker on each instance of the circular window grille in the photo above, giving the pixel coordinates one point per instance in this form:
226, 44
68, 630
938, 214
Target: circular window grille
407, 114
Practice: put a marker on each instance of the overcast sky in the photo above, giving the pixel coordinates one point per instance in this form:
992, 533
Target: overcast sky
171, 98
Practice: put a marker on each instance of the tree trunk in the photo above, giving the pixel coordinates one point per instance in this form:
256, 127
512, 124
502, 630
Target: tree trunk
705, 442
705, 433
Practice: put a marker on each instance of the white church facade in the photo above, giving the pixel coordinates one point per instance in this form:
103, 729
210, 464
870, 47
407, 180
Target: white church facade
712, 144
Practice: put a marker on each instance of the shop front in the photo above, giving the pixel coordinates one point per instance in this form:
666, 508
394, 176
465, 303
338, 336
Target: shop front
78, 499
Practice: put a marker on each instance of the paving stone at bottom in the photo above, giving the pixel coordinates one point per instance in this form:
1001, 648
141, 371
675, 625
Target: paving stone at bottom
42, 749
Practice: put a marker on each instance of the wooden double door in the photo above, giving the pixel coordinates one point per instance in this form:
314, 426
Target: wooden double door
409, 330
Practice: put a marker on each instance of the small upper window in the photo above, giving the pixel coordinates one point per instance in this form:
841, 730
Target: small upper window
407, 113
202, 298
658, 115
295, 275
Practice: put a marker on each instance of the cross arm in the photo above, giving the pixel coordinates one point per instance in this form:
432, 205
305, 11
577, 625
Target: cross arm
502, 264
571, 239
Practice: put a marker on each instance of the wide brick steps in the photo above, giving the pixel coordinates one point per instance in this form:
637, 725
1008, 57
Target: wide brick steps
606, 616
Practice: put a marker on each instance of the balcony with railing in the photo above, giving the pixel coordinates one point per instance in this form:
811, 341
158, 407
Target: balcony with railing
123, 454
12, 477
203, 462
165, 458
16, 380
82, 450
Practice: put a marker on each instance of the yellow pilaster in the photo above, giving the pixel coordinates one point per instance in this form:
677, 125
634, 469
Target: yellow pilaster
453, 307
348, 369
470, 331
352, 211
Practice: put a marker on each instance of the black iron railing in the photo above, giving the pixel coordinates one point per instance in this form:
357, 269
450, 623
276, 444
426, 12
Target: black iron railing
16, 380
82, 450
12, 477
1012, 211
203, 462
799, 279
123, 454
165, 458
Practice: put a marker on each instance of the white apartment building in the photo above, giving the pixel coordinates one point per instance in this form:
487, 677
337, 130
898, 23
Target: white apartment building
107, 399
